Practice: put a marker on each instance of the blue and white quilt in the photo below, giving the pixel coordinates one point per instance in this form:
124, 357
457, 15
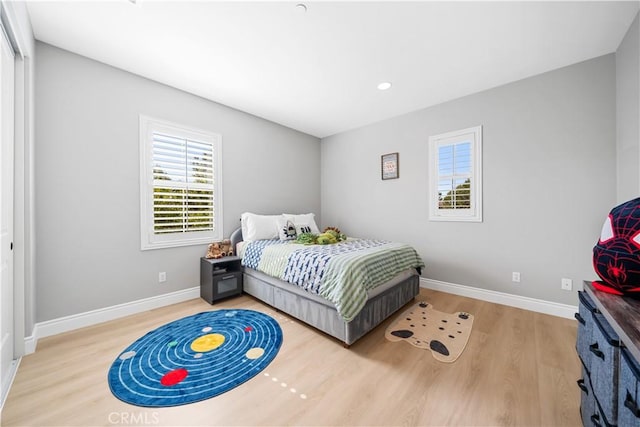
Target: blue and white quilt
342, 273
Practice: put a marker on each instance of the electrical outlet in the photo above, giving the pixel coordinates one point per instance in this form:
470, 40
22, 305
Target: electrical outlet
566, 284
162, 277
515, 277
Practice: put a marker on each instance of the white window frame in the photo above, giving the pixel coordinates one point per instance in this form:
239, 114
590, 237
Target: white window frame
148, 238
474, 213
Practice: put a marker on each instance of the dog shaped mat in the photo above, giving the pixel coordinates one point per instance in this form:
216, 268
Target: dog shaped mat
446, 335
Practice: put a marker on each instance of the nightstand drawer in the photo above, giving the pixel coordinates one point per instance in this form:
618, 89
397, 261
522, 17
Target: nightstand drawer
227, 284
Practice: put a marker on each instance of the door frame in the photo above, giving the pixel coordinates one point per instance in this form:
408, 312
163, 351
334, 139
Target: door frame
9, 359
15, 21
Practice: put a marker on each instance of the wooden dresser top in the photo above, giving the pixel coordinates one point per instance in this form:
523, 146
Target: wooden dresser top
622, 313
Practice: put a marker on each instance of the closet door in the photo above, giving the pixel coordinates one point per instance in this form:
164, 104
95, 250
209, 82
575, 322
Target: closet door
7, 113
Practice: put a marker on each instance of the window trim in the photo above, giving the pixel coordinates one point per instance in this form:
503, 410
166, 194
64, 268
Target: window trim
474, 214
149, 239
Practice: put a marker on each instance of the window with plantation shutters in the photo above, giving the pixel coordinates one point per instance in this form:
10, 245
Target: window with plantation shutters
180, 185
455, 189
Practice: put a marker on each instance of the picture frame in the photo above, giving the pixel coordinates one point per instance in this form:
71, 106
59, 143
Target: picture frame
390, 166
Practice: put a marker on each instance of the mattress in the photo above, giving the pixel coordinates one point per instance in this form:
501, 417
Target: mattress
401, 277
345, 273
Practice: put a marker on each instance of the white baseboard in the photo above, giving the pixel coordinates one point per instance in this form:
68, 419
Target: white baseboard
89, 318
8, 382
31, 341
532, 304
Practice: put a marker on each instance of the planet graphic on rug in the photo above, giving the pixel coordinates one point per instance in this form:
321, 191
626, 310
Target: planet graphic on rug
195, 358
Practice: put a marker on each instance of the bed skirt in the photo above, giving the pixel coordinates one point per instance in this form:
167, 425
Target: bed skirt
321, 314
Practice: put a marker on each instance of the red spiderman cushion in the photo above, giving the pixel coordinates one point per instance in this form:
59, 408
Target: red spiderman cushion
616, 256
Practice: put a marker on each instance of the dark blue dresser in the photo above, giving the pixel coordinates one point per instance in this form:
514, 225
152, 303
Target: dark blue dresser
608, 344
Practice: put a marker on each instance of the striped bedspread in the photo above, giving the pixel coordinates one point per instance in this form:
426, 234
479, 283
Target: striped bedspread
342, 273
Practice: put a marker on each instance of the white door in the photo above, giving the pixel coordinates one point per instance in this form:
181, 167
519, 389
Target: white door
7, 110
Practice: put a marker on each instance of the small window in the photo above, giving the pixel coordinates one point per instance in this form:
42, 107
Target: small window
455, 190
180, 186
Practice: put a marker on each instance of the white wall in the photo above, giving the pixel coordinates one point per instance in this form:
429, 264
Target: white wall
87, 172
549, 181
628, 114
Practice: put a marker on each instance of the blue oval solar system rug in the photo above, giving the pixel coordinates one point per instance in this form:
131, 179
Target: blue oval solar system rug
195, 358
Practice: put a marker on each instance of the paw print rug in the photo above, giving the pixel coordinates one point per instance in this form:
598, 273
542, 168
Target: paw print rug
445, 334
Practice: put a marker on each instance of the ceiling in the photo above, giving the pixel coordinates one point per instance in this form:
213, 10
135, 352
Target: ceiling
317, 71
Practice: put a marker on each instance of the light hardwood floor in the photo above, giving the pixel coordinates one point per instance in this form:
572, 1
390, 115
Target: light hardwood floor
519, 369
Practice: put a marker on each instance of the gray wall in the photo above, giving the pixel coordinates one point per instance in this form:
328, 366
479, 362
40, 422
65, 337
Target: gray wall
628, 114
549, 180
87, 181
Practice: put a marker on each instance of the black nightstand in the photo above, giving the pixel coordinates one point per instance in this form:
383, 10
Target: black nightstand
220, 278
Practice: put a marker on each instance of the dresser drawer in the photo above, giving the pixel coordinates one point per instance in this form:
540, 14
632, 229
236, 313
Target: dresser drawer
605, 359
598, 419
628, 391
584, 316
587, 401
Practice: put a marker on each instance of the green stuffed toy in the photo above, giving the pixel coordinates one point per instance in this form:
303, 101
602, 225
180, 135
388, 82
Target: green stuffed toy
329, 236
326, 239
307, 238
335, 233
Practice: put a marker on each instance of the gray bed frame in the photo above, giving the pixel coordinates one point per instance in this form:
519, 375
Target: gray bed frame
320, 313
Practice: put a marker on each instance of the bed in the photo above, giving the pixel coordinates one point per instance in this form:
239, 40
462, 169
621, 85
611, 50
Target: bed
338, 318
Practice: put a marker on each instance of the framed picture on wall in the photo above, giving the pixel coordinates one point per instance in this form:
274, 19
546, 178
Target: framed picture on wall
390, 165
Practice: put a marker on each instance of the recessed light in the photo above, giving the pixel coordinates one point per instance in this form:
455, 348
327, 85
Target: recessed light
384, 85
301, 7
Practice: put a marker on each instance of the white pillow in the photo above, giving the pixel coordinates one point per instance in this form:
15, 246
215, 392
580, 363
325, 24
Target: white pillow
303, 228
286, 229
259, 227
305, 219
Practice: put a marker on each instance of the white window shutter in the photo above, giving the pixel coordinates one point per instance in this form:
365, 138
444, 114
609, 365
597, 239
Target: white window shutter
455, 190
182, 186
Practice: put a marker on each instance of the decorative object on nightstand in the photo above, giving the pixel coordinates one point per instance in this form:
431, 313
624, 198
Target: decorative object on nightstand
220, 278
218, 250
